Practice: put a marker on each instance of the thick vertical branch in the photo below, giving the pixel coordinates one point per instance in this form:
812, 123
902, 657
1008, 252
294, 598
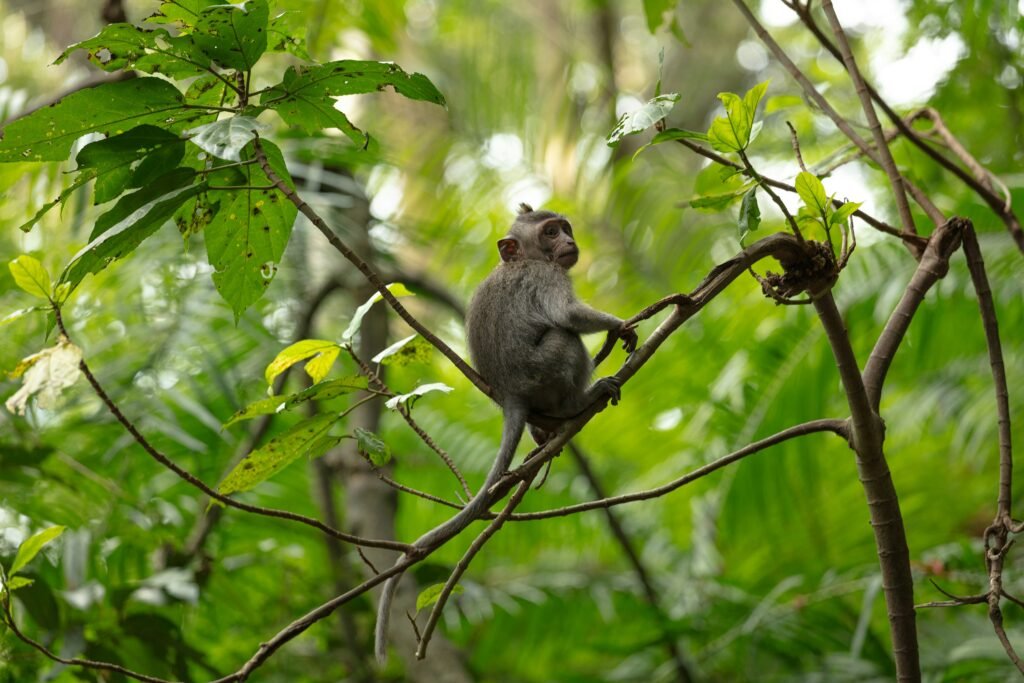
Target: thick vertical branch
933, 266
883, 503
995, 358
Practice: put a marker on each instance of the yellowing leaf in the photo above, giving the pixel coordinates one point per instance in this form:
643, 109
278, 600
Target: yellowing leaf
46, 374
277, 454
30, 275
323, 353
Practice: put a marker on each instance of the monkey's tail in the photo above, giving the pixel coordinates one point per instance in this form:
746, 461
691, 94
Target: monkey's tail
511, 433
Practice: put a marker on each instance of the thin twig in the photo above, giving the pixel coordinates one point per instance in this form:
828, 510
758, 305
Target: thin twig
200, 484
833, 425
884, 155
73, 661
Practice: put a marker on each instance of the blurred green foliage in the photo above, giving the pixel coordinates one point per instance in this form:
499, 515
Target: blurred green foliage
766, 571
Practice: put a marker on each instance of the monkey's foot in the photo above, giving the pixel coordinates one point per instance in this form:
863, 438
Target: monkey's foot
610, 387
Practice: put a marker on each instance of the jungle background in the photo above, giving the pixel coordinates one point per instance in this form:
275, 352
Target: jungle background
765, 571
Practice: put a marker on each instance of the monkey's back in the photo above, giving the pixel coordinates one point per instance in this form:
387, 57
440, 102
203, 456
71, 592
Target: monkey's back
516, 342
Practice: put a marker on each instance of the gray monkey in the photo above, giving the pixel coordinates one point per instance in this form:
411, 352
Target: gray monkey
523, 328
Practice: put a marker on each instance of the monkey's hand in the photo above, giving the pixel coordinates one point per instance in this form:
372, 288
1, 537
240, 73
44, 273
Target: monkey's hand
610, 387
627, 333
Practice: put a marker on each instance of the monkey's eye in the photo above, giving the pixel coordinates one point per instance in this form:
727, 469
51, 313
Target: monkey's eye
551, 230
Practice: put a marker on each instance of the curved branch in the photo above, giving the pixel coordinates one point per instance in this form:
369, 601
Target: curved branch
833, 425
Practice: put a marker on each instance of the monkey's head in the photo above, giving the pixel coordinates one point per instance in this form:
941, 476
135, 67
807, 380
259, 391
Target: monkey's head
539, 236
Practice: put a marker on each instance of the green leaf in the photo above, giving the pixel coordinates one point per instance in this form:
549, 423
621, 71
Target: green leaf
752, 98
183, 13
429, 595
412, 349
234, 35
305, 97
31, 547
125, 47
30, 275
673, 134
61, 199
750, 214
371, 445
643, 118
246, 238
397, 290
654, 12
843, 213
812, 192
49, 133
115, 161
134, 206
326, 351
277, 454
122, 238
287, 33
225, 138
734, 131
395, 401
716, 202
322, 391
16, 582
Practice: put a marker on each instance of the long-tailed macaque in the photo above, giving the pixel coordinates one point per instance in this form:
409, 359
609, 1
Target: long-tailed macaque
523, 328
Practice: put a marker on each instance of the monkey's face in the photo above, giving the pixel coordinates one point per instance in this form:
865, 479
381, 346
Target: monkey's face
555, 238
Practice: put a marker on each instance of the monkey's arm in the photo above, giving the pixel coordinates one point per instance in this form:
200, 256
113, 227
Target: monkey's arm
583, 319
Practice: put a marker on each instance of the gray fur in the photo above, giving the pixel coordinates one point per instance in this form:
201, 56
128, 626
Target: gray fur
523, 328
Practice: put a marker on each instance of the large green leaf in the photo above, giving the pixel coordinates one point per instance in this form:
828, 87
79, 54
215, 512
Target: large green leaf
122, 47
136, 205
121, 238
246, 238
49, 133
115, 161
31, 276
750, 213
305, 97
812, 192
234, 35
182, 13
734, 131
277, 454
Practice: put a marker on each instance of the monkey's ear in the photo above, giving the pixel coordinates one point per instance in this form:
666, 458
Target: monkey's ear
525, 208
508, 248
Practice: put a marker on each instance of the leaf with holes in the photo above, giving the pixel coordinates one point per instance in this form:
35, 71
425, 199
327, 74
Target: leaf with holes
234, 35
48, 134
305, 96
125, 47
277, 454
246, 238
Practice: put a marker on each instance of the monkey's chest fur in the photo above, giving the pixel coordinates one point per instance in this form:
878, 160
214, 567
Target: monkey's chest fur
519, 342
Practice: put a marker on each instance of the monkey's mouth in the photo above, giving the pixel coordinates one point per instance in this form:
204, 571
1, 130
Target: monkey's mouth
568, 257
